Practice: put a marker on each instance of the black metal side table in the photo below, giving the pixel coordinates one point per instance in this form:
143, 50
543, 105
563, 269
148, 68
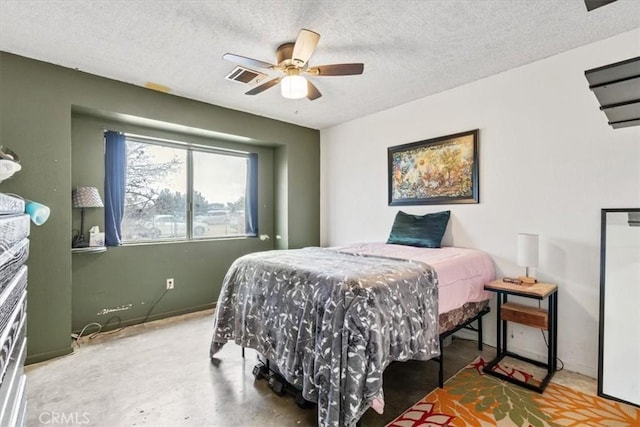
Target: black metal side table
526, 315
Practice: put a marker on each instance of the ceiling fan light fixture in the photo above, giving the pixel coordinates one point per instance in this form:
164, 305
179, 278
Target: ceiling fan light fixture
292, 60
293, 87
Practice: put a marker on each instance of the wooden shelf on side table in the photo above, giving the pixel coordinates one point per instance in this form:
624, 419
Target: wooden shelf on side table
525, 315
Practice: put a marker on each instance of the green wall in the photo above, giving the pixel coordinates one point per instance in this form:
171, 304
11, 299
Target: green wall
52, 117
120, 286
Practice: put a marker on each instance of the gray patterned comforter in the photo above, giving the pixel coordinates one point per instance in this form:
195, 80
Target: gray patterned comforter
330, 321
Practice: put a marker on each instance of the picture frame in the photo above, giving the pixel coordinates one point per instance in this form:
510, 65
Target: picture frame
441, 170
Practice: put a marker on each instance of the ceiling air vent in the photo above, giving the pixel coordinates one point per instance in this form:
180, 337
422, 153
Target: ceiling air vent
245, 76
617, 88
594, 4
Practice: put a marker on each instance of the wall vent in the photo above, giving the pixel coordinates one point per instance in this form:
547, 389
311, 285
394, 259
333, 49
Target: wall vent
594, 4
245, 76
617, 88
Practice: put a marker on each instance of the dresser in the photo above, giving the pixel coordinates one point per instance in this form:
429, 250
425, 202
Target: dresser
14, 251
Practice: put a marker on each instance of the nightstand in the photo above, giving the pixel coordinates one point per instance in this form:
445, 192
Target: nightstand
525, 315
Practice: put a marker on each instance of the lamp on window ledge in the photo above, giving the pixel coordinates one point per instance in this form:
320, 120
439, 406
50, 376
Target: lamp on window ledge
84, 197
527, 254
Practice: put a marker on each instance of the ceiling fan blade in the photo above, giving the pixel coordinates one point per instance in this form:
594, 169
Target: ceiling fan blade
304, 47
336, 70
264, 86
312, 91
247, 62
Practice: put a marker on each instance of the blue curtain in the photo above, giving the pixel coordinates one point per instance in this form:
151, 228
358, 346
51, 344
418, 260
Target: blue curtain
114, 185
251, 201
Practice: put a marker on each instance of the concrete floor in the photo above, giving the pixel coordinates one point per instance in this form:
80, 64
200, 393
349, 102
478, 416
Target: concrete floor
159, 374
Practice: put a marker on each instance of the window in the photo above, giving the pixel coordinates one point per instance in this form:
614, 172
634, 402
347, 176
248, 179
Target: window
179, 192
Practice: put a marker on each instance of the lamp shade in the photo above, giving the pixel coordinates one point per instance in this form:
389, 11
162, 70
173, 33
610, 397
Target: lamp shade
293, 87
86, 197
527, 250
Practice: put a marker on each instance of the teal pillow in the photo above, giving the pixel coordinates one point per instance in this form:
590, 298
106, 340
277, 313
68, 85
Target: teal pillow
424, 231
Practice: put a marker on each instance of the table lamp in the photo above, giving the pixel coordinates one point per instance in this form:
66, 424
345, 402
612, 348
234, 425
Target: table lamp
527, 254
84, 197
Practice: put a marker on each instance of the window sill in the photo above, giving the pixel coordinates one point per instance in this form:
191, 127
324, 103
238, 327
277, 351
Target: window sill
172, 241
89, 250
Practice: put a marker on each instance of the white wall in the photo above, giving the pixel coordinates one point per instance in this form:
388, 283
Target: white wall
548, 163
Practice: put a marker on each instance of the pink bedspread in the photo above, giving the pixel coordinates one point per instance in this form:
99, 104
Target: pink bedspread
462, 272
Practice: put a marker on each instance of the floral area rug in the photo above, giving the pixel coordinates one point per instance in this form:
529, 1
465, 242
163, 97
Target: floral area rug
472, 398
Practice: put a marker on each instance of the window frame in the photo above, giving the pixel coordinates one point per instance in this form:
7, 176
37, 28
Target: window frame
189, 148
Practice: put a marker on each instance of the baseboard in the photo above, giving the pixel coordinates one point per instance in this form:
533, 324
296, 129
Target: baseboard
176, 312
569, 365
467, 335
41, 357
158, 316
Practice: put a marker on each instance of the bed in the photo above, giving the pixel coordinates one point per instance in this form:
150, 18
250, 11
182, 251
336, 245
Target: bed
332, 319
462, 274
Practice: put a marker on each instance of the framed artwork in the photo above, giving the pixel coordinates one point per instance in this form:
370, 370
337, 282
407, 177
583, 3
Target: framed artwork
441, 170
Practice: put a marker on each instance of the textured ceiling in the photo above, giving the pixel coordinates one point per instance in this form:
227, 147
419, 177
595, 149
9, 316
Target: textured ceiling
410, 49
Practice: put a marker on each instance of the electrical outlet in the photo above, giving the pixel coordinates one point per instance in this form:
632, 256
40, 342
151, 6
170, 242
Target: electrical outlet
170, 283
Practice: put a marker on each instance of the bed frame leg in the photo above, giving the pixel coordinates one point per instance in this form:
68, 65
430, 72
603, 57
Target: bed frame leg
465, 325
441, 372
479, 333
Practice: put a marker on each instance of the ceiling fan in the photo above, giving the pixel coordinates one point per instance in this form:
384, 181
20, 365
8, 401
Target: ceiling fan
292, 59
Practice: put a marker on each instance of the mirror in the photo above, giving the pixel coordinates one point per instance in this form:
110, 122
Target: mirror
619, 349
